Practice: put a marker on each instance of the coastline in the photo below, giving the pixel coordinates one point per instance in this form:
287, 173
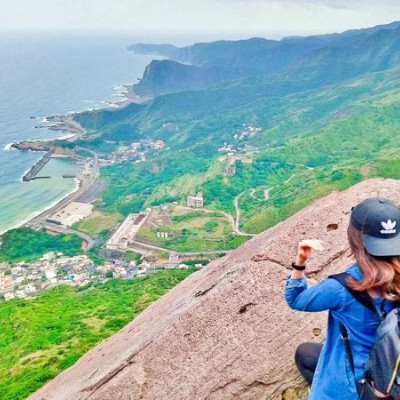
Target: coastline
71, 130
64, 123
35, 214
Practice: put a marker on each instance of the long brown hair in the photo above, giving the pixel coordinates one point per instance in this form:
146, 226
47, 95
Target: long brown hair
381, 274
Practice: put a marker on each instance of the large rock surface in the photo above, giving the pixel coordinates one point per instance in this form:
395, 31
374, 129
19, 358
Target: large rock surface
226, 331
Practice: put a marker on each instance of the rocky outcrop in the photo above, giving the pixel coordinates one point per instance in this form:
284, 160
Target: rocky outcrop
225, 332
55, 147
34, 145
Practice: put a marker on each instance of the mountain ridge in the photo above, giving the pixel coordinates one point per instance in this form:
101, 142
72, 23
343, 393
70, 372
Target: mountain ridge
221, 61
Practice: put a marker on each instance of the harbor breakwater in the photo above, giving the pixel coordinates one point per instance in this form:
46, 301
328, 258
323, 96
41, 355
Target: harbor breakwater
33, 172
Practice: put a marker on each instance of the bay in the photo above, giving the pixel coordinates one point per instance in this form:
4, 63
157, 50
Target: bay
42, 75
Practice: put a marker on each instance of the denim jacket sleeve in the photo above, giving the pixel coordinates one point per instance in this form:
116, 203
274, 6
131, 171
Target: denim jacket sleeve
326, 295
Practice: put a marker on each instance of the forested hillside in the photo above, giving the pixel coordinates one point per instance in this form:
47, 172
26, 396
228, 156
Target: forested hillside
328, 57
325, 123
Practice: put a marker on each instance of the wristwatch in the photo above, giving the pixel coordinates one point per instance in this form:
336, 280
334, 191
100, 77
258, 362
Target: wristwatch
298, 267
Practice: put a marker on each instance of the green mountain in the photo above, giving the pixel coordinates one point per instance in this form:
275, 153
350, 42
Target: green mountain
204, 64
326, 122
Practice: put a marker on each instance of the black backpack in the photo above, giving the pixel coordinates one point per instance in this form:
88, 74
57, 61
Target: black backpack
382, 370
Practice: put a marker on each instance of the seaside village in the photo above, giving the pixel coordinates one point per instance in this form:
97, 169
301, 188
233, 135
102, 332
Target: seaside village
24, 280
136, 152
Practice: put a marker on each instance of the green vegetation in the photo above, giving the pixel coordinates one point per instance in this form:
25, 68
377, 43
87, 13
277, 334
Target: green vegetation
189, 240
131, 185
320, 131
201, 261
313, 142
98, 223
25, 244
196, 230
132, 256
41, 337
94, 255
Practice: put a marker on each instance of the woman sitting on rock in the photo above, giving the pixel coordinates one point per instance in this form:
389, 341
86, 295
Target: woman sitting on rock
336, 370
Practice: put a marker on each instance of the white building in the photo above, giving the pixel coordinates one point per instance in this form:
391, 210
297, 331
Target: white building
195, 201
20, 294
50, 274
127, 231
72, 213
30, 289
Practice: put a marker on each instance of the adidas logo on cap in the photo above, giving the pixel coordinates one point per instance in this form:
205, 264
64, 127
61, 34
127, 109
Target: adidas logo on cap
389, 227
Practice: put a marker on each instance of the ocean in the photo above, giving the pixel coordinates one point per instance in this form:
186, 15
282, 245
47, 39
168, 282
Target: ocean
43, 75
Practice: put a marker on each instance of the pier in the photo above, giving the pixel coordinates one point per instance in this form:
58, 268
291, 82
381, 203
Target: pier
32, 173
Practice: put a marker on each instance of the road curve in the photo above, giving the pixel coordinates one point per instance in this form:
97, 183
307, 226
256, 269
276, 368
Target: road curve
61, 229
237, 220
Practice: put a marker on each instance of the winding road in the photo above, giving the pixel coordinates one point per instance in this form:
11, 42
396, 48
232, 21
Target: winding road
237, 220
61, 229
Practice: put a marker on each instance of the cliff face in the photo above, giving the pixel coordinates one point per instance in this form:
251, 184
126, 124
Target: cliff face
166, 76
225, 332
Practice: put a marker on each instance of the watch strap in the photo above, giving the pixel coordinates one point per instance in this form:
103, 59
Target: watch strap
298, 267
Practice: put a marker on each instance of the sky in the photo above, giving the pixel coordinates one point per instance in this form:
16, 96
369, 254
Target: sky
211, 19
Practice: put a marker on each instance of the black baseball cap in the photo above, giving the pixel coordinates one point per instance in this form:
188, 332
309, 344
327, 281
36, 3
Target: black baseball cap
378, 219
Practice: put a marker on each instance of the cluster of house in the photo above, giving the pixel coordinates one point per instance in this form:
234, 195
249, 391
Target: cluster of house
249, 131
23, 280
136, 152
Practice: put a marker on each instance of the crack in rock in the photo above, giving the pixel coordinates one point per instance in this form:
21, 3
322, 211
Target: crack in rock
107, 378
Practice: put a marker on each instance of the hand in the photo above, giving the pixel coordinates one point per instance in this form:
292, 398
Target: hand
303, 253
305, 248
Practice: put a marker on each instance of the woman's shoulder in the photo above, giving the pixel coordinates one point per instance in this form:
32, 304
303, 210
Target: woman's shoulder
355, 271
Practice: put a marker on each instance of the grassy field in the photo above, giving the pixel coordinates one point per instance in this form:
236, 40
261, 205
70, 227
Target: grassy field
41, 337
194, 230
98, 223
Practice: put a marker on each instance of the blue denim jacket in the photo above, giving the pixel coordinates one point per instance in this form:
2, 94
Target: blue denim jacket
333, 378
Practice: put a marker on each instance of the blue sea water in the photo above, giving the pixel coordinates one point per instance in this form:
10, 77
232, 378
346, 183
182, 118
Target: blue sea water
42, 75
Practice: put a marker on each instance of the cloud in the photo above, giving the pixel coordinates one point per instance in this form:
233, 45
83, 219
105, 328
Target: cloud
221, 18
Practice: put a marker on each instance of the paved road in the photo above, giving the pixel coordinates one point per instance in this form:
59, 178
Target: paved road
228, 217
237, 220
61, 229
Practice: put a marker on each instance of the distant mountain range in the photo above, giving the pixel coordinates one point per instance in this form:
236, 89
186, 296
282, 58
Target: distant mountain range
327, 110
326, 58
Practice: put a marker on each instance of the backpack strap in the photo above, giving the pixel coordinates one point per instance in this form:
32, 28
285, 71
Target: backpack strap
346, 341
361, 297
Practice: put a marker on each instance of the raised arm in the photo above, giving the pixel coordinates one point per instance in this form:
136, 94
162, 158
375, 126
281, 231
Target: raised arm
326, 295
